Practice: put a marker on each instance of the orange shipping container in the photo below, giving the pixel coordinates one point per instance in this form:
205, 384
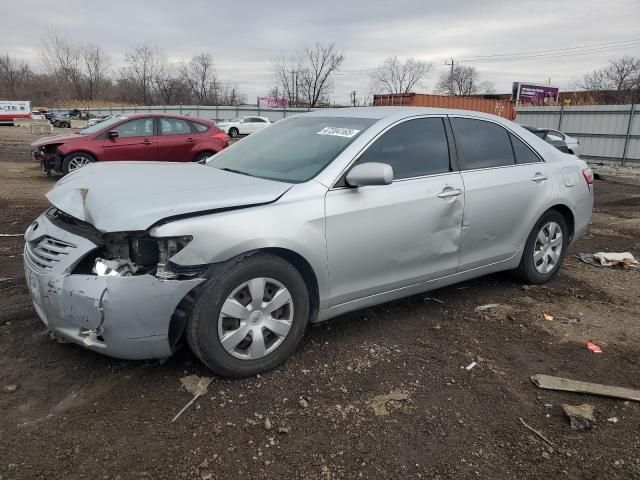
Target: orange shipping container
503, 108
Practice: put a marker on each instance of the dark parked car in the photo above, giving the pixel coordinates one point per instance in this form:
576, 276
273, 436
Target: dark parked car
144, 137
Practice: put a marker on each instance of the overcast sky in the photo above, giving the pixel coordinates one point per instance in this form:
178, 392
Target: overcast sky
245, 35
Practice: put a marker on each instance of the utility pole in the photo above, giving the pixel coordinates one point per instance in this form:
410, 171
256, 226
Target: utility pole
452, 65
293, 90
353, 98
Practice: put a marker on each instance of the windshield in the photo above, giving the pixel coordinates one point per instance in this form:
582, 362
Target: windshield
103, 124
293, 150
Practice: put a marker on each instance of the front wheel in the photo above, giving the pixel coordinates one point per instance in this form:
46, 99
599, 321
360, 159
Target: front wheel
234, 132
74, 161
545, 249
252, 318
202, 157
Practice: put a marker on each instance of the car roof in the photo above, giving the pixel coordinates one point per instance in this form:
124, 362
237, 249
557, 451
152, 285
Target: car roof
392, 113
162, 115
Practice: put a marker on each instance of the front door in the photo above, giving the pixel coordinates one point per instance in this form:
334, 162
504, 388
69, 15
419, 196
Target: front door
135, 141
380, 238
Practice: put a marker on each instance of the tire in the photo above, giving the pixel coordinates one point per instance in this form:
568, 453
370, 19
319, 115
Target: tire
543, 242
234, 132
201, 157
208, 327
76, 160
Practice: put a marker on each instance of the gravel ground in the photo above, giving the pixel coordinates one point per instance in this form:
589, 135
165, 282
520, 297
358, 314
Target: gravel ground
74, 414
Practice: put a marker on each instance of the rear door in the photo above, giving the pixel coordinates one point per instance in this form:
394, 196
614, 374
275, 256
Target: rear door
136, 141
502, 196
176, 140
380, 238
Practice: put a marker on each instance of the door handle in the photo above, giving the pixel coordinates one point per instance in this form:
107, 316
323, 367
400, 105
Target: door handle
539, 177
146, 141
449, 192
190, 140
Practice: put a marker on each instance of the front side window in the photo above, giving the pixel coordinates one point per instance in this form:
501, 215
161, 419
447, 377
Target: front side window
413, 148
141, 127
102, 125
174, 126
482, 144
292, 150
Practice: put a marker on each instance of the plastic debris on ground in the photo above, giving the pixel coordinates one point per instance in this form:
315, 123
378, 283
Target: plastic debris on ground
471, 365
593, 347
547, 317
610, 259
581, 417
488, 306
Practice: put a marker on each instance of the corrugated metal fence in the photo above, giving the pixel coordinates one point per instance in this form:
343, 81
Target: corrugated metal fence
208, 112
607, 133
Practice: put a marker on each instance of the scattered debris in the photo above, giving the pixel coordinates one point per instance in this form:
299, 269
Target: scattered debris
537, 432
549, 382
11, 234
548, 317
267, 424
303, 403
434, 299
471, 365
610, 259
10, 388
593, 347
284, 430
379, 402
612, 420
196, 386
488, 306
580, 416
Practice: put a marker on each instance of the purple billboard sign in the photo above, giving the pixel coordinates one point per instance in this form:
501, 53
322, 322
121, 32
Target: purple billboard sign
535, 95
272, 102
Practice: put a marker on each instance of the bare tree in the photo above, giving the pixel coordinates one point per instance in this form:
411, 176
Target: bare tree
396, 76
141, 61
621, 75
199, 75
14, 75
462, 81
306, 77
62, 58
96, 64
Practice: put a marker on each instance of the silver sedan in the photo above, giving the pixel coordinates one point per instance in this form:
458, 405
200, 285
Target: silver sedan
315, 216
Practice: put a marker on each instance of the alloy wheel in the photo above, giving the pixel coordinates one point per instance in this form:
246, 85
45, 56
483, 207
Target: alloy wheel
547, 248
255, 318
78, 162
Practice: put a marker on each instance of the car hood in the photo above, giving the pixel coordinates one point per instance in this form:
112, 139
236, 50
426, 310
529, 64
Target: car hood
64, 138
131, 196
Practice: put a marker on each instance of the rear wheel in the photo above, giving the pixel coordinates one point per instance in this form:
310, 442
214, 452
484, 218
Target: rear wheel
77, 160
234, 132
545, 249
252, 318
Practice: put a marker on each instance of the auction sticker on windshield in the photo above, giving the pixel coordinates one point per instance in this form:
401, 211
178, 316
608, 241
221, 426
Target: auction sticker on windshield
338, 132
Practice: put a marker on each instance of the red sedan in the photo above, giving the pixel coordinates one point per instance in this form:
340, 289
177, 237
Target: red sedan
140, 137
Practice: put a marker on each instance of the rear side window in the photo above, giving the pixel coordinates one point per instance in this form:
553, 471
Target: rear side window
413, 148
523, 153
199, 127
482, 144
174, 126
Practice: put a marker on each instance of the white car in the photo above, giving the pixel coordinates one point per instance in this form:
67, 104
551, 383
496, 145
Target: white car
243, 125
572, 143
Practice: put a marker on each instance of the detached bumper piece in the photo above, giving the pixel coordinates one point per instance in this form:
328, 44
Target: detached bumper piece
122, 316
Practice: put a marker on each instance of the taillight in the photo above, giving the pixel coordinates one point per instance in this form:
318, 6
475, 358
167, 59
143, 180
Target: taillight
221, 136
587, 173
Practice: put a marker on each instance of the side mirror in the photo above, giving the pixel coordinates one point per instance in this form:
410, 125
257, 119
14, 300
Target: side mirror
370, 174
113, 134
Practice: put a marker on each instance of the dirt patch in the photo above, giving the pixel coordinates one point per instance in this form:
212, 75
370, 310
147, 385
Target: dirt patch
76, 414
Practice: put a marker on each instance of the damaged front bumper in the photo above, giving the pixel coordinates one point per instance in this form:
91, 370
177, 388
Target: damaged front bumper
126, 317
47, 159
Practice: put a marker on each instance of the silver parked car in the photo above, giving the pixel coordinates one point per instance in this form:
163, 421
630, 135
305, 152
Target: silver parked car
320, 214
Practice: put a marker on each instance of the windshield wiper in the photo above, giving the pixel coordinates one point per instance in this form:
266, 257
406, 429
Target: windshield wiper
236, 171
